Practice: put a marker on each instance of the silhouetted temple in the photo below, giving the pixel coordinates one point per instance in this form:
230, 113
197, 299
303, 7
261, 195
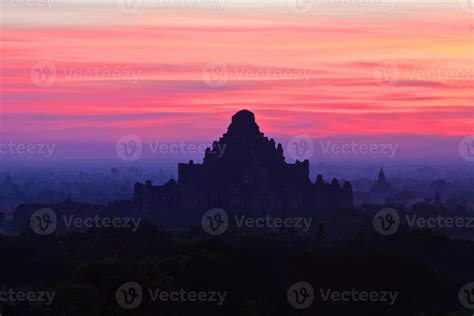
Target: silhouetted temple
249, 175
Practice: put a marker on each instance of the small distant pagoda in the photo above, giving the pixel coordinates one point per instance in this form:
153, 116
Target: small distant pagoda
381, 189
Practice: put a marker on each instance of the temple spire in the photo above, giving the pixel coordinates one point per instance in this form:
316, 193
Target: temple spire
381, 175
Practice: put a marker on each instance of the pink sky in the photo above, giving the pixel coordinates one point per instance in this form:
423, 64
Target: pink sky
179, 73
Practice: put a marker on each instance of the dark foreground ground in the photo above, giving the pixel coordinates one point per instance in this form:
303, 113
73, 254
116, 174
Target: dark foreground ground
97, 273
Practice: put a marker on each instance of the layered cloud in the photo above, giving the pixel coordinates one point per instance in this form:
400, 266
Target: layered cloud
92, 73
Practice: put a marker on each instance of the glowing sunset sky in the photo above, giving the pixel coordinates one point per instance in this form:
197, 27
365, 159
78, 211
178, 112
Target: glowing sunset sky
83, 72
